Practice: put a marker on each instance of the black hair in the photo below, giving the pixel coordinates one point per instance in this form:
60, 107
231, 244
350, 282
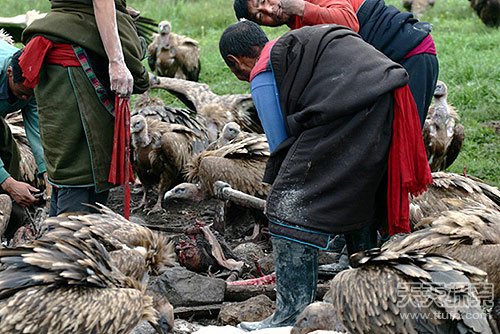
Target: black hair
17, 72
244, 38
241, 9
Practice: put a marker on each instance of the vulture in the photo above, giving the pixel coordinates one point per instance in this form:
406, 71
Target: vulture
16, 24
160, 152
217, 109
471, 235
229, 132
488, 11
5, 210
443, 136
115, 233
392, 293
418, 7
174, 56
154, 108
239, 163
27, 164
450, 191
71, 285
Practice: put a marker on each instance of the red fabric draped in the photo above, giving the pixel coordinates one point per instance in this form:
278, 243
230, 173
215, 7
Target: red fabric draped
408, 169
42, 50
120, 171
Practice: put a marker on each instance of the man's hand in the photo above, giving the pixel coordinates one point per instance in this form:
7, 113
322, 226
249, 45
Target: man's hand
121, 79
20, 192
293, 7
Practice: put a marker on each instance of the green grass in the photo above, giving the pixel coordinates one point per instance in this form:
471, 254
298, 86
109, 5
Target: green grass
468, 53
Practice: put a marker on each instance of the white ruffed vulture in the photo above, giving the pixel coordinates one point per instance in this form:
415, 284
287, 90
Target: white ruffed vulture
172, 55
71, 285
450, 191
396, 293
160, 152
217, 109
488, 11
443, 136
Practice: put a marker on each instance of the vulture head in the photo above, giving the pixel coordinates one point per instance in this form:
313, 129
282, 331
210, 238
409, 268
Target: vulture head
139, 131
318, 316
230, 131
186, 192
165, 318
164, 27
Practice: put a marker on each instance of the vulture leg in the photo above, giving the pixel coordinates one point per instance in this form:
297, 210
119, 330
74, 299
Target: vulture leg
162, 189
144, 201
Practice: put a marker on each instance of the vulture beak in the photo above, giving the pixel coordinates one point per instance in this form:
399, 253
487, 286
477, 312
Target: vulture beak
163, 326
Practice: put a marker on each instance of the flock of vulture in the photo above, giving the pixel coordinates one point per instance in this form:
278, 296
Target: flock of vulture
89, 273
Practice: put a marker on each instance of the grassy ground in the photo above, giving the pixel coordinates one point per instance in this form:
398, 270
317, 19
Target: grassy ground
468, 53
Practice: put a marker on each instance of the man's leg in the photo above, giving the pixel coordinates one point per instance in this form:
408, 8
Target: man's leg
74, 199
296, 278
362, 239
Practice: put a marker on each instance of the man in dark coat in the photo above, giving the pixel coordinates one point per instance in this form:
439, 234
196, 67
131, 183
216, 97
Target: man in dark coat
345, 140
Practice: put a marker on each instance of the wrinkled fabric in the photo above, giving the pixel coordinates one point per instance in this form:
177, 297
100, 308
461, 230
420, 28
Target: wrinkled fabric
336, 99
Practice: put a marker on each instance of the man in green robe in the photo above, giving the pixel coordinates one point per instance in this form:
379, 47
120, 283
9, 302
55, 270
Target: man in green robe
89, 52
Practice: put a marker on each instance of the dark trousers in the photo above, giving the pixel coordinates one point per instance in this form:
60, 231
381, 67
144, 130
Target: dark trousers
75, 199
423, 70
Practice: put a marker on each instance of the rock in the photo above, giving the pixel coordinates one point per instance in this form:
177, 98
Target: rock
254, 309
186, 288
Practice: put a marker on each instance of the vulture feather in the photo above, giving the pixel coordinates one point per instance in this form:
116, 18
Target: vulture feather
4, 36
488, 11
217, 109
27, 164
172, 55
450, 191
392, 293
240, 163
443, 136
115, 233
154, 108
160, 152
5, 210
71, 285
471, 235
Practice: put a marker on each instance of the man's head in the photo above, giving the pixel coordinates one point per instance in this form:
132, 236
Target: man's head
264, 12
16, 79
240, 46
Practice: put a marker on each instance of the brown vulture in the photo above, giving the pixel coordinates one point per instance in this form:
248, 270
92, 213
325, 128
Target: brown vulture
115, 233
471, 235
443, 136
418, 7
488, 11
229, 132
5, 210
396, 293
172, 55
450, 191
160, 152
240, 163
217, 109
71, 285
27, 164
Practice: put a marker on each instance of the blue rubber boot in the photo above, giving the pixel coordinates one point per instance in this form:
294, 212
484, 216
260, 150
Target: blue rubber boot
296, 268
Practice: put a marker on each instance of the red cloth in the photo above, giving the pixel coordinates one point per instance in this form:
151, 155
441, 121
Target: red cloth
426, 46
120, 171
261, 64
41, 50
408, 169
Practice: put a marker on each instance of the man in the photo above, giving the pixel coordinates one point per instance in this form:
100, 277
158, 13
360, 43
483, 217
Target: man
335, 137
15, 96
398, 35
79, 56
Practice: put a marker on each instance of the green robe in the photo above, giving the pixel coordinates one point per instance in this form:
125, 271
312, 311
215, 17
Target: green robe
76, 128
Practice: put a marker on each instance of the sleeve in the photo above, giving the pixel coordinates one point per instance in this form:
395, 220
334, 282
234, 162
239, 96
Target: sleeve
3, 172
30, 118
266, 99
331, 11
